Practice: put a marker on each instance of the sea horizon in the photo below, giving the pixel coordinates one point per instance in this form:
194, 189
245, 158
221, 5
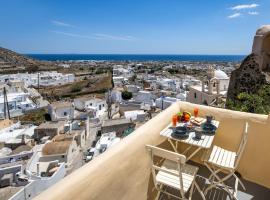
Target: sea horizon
138, 57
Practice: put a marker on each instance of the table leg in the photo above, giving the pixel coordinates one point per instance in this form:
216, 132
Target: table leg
173, 146
186, 150
194, 153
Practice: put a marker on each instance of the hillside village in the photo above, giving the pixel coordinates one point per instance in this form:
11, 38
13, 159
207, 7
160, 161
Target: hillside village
54, 121
73, 116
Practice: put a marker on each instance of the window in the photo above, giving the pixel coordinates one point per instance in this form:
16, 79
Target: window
99, 107
225, 87
195, 95
65, 113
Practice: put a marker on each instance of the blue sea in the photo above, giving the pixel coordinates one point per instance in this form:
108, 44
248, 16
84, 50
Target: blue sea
137, 57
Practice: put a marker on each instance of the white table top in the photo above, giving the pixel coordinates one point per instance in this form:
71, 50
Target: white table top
205, 141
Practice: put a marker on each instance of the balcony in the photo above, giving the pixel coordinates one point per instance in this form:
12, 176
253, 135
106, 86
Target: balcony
123, 172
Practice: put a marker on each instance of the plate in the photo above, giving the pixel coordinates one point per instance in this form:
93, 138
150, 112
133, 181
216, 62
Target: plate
180, 136
180, 132
209, 128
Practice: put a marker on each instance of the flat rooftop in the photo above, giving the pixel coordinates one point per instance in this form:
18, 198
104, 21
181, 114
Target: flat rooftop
51, 125
61, 104
113, 122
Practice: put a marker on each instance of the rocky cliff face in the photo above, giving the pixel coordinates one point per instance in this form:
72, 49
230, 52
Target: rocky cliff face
12, 62
247, 78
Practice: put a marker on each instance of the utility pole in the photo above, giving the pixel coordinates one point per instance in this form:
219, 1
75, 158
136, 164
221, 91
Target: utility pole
162, 99
38, 82
109, 103
6, 107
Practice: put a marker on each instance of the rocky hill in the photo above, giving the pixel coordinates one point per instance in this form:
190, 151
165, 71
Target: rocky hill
249, 88
249, 78
12, 62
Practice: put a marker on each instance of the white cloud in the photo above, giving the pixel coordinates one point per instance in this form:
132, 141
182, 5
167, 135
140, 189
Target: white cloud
73, 35
59, 23
253, 13
99, 36
235, 15
113, 37
245, 6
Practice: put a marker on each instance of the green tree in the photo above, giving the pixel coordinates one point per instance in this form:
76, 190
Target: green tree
253, 103
126, 95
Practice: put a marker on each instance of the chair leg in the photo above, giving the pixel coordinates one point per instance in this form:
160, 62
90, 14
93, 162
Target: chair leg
159, 189
158, 194
199, 190
241, 183
216, 172
219, 181
191, 190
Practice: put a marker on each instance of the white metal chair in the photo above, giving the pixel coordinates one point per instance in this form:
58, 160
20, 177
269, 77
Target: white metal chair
173, 172
219, 159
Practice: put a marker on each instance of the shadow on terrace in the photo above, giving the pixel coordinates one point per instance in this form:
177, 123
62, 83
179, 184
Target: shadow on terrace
124, 172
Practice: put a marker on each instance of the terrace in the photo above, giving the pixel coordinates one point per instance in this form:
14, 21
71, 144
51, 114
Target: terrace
123, 172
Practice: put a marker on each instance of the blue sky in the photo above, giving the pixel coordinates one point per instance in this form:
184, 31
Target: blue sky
131, 26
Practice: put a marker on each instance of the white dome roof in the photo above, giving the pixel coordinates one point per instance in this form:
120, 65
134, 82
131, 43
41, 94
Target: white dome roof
219, 74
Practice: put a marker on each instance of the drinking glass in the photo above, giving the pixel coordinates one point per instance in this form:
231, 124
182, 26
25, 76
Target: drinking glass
196, 112
174, 120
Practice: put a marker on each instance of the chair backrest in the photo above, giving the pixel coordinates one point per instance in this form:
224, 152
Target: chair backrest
242, 144
163, 153
169, 155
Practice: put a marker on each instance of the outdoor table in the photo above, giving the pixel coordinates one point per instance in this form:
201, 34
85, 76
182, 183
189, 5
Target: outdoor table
204, 143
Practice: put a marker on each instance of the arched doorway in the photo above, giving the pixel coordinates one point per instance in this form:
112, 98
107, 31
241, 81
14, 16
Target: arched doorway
266, 53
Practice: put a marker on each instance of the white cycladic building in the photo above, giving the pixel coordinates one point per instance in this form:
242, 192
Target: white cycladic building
40, 175
165, 102
132, 88
214, 86
61, 111
168, 84
98, 106
12, 87
144, 97
48, 78
182, 96
119, 81
116, 96
135, 115
17, 102
119, 70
